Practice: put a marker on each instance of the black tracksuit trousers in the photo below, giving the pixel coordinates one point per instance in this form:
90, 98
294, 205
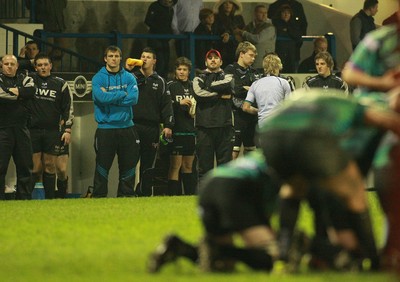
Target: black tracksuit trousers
16, 142
124, 143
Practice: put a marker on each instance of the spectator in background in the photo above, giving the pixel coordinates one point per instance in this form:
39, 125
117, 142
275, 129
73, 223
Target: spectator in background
308, 64
183, 146
297, 9
205, 27
325, 78
298, 17
27, 55
228, 18
154, 107
287, 49
214, 118
158, 19
15, 92
51, 14
185, 19
243, 76
115, 91
268, 92
363, 22
261, 32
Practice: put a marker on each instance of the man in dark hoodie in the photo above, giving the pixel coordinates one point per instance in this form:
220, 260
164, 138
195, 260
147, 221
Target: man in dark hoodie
154, 107
159, 19
15, 91
115, 91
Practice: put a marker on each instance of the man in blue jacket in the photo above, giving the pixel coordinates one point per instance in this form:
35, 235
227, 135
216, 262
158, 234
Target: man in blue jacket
114, 92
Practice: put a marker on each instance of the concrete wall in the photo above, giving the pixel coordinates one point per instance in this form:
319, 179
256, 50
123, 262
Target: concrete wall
350, 7
127, 16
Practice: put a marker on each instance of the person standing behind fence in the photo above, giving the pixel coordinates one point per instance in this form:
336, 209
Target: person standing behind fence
363, 22
298, 13
228, 18
261, 32
15, 92
27, 56
51, 14
183, 146
52, 103
287, 48
159, 19
114, 92
154, 107
206, 27
185, 20
308, 64
299, 21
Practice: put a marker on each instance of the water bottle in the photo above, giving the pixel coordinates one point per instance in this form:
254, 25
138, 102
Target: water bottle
38, 191
164, 140
134, 62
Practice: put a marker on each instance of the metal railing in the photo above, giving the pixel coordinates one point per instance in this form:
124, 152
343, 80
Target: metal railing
14, 9
14, 40
73, 61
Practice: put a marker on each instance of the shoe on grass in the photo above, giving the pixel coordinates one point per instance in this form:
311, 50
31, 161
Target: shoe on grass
166, 252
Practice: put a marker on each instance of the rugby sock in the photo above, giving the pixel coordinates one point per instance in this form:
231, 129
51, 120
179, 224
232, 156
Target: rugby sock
322, 248
2, 192
288, 213
361, 223
256, 258
174, 188
189, 183
49, 183
62, 186
188, 251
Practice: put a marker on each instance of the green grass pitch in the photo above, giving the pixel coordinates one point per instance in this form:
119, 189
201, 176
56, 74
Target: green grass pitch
110, 239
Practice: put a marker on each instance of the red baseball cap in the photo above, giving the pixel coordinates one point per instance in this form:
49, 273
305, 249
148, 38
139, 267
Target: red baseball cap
213, 51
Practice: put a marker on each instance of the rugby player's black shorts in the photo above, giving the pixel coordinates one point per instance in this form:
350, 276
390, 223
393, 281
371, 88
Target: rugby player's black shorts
228, 205
183, 145
245, 129
64, 149
46, 141
313, 154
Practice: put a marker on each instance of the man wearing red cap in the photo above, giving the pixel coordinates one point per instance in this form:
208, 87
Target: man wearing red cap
213, 119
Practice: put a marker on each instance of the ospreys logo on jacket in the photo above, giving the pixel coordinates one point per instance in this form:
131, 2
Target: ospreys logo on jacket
179, 90
113, 107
